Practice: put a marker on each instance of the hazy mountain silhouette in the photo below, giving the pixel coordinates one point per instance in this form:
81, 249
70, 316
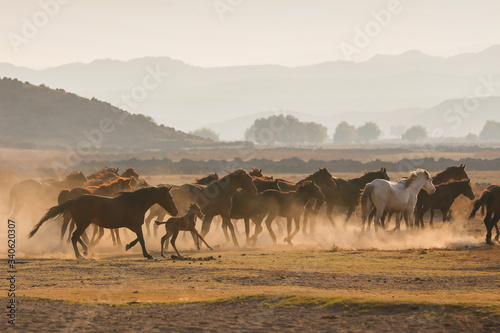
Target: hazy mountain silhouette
192, 97
43, 116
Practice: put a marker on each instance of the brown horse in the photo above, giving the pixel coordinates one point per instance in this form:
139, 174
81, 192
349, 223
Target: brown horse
184, 223
158, 213
291, 205
245, 206
491, 200
36, 195
322, 178
105, 175
216, 198
123, 211
107, 190
442, 199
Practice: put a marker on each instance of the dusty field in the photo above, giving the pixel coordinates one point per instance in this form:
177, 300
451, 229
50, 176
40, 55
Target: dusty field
339, 279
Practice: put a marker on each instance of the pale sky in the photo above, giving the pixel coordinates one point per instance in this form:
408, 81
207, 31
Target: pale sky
285, 32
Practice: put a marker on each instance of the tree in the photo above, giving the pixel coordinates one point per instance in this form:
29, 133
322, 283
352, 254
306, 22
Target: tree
491, 131
344, 133
368, 132
471, 137
206, 133
285, 130
416, 132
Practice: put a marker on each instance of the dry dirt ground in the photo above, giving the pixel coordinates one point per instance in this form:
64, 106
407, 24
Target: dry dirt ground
440, 280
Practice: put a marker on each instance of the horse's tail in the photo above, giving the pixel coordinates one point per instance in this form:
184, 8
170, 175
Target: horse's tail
479, 203
54, 212
483, 210
365, 199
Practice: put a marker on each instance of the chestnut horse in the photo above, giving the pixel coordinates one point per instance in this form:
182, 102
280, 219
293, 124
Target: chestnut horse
123, 211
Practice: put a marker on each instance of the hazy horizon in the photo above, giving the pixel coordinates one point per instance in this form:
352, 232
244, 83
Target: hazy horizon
218, 33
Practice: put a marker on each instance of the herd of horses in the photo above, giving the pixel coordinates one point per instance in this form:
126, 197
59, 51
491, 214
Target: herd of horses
110, 200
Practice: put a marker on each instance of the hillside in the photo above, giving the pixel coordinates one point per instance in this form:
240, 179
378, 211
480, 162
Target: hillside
38, 115
192, 96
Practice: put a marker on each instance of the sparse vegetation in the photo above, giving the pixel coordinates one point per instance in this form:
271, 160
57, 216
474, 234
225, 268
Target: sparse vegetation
414, 133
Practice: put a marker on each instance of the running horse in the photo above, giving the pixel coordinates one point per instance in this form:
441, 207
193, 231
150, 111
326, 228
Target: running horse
491, 200
215, 198
123, 211
396, 197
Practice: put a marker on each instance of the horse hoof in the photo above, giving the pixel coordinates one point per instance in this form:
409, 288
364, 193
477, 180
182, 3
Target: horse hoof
81, 258
127, 247
211, 248
150, 258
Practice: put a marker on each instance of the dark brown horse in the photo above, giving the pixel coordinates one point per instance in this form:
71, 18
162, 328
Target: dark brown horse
322, 178
216, 198
184, 223
123, 211
245, 206
491, 200
36, 195
442, 199
273, 203
346, 194
158, 213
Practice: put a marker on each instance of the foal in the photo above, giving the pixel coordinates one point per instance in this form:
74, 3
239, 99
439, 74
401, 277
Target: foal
185, 223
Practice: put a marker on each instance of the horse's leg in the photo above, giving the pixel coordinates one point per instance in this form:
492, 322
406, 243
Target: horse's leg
71, 229
172, 241
258, 228
288, 230
99, 236
84, 240
138, 232
227, 220
147, 222
224, 230
498, 233
304, 223
76, 238
297, 227
445, 213
329, 214
269, 221
247, 230
350, 211
196, 241
195, 232
131, 244
92, 241
431, 224
64, 227
160, 217
489, 227
409, 219
205, 227
164, 241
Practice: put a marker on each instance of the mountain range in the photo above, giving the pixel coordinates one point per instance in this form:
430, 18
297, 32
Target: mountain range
410, 88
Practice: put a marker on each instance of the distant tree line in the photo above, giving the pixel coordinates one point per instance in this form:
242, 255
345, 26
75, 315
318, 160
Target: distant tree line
346, 133
286, 130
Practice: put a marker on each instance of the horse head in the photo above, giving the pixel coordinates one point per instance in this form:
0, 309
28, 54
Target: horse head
467, 190
311, 190
428, 185
166, 201
323, 177
196, 211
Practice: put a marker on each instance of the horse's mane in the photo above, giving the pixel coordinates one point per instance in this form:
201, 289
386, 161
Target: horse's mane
140, 194
449, 169
235, 172
454, 181
75, 175
413, 176
113, 183
213, 176
102, 172
130, 172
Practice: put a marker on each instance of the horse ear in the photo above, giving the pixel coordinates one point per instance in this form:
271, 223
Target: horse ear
463, 167
168, 188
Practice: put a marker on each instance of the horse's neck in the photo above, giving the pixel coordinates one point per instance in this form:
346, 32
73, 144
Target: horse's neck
190, 217
229, 187
363, 180
416, 186
302, 196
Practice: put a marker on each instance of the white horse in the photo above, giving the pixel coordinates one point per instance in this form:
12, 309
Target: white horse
397, 197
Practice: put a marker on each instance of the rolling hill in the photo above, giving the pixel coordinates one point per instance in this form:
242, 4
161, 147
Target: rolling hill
42, 116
